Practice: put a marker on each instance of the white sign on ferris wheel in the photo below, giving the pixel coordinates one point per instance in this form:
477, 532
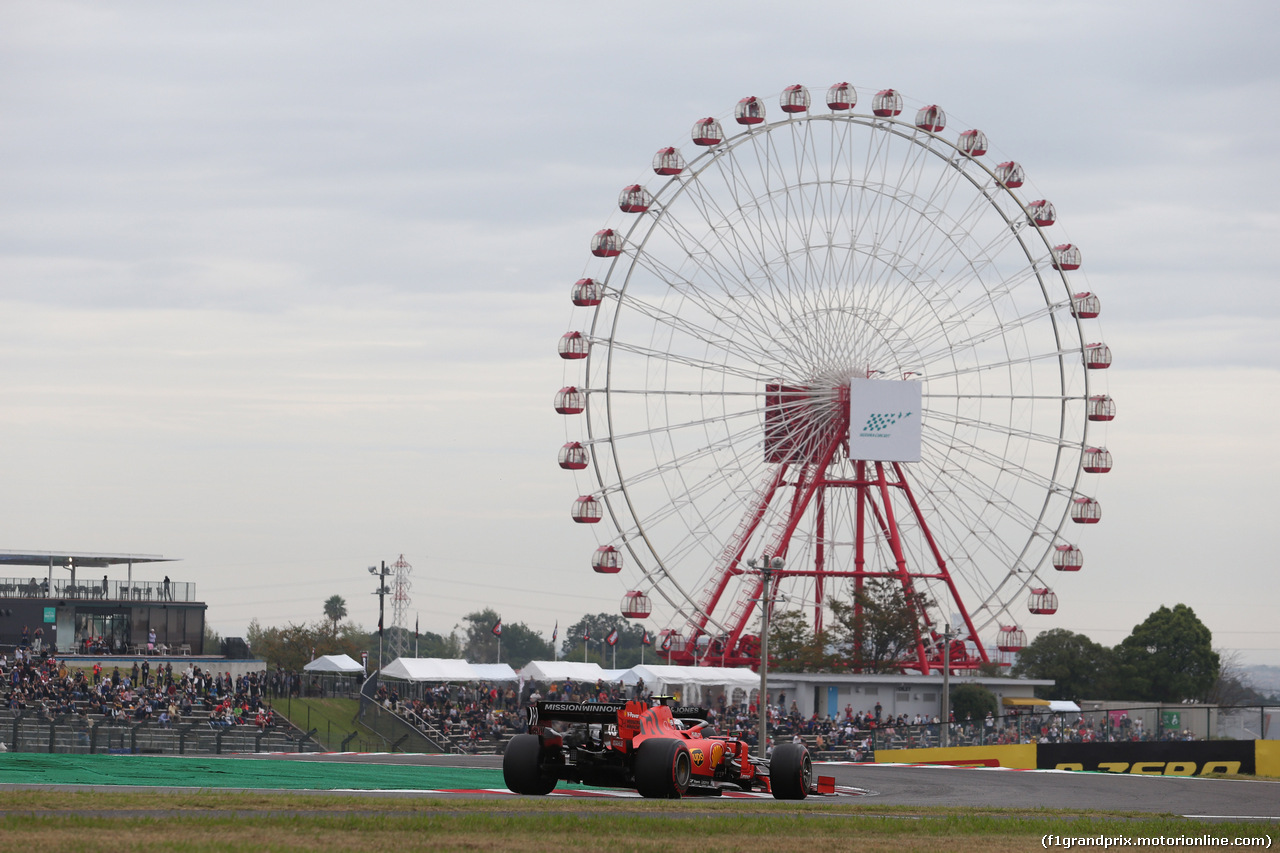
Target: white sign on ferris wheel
884, 420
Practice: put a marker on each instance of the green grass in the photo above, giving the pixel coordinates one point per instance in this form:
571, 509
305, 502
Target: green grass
333, 720
207, 821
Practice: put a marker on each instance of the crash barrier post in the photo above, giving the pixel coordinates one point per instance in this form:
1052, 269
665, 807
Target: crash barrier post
183, 731
306, 736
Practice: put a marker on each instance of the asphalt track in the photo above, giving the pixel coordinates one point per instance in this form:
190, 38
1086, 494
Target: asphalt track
454, 776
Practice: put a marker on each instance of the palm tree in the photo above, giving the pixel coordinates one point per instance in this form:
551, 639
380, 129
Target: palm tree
335, 610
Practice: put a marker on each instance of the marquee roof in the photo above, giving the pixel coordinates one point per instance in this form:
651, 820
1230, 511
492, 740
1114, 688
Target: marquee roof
80, 559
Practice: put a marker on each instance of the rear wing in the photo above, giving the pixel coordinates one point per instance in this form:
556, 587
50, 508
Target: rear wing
574, 712
598, 712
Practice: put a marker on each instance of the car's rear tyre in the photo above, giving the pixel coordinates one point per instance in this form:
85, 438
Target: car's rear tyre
521, 770
663, 768
790, 771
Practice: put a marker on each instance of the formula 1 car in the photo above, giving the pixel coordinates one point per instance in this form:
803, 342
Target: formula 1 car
661, 751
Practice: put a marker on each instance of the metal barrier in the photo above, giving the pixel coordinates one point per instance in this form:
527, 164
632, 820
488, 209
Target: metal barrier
1096, 722
73, 734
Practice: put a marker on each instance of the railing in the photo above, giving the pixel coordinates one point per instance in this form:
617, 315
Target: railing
1110, 724
27, 732
137, 591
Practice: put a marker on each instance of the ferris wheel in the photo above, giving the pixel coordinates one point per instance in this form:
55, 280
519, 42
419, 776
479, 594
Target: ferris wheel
844, 343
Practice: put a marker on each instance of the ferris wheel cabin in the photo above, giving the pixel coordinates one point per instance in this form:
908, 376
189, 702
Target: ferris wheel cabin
1097, 356
794, 99
1042, 213
1011, 174
1043, 601
1086, 510
570, 401
586, 510
607, 560
636, 605
973, 143
1097, 460
573, 456
1068, 558
931, 118
606, 243
573, 345
841, 97
707, 132
668, 161
887, 103
1066, 257
1011, 639
1085, 306
634, 199
586, 293
750, 110
1101, 408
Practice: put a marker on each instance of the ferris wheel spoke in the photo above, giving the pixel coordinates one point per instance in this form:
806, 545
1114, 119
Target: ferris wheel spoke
1025, 360
723, 306
988, 494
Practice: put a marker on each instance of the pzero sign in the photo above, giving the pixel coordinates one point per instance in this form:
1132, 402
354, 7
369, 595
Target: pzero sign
884, 420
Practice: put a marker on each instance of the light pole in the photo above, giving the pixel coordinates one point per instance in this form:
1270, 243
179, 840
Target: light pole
946, 686
766, 568
381, 574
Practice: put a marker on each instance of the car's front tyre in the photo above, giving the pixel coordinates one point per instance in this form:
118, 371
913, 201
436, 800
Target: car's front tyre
790, 771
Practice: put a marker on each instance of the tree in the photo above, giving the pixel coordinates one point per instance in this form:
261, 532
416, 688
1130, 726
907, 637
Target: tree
1079, 667
293, 646
793, 647
1169, 657
599, 625
971, 701
335, 610
212, 642
1230, 688
879, 629
520, 643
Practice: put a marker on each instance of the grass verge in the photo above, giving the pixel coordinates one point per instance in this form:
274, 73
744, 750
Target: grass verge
208, 821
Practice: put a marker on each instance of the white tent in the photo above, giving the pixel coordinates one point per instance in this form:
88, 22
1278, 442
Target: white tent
334, 663
691, 679
431, 669
559, 670
495, 672
1063, 706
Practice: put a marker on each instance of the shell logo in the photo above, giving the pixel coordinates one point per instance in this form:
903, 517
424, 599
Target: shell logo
717, 754
698, 757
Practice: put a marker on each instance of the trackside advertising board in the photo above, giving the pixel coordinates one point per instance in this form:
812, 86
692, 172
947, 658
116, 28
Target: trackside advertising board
1151, 758
884, 420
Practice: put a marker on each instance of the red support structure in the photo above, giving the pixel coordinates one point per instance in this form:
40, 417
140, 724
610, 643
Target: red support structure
803, 440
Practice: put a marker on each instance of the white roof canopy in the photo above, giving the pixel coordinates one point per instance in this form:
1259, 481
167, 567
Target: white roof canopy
334, 663
443, 669
656, 676
559, 670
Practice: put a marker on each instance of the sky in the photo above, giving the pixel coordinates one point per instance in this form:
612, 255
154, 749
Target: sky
282, 283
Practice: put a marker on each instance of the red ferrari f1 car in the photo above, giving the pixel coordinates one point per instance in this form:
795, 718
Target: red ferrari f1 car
660, 751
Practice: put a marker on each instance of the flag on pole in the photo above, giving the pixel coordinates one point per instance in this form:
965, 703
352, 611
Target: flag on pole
415, 627
666, 643
646, 640
555, 632
586, 634
497, 628
612, 639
